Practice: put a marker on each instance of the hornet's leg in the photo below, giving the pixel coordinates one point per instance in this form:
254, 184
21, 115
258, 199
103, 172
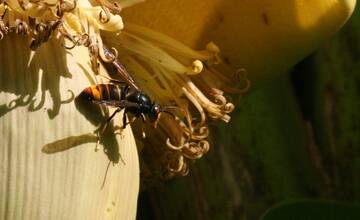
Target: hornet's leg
125, 122
143, 117
112, 116
109, 119
124, 119
142, 126
105, 126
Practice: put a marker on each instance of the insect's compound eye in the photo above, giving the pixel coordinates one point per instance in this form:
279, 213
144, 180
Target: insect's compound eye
155, 110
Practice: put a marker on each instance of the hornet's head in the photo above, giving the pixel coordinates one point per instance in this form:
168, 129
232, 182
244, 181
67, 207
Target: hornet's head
156, 111
154, 114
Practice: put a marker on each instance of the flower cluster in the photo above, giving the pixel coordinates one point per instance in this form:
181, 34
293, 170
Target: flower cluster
79, 22
169, 71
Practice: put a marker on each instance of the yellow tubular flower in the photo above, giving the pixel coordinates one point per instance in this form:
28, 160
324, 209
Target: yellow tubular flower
45, 175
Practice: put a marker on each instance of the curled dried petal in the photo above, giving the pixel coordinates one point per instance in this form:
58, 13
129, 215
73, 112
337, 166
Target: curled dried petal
196, 150
173, 147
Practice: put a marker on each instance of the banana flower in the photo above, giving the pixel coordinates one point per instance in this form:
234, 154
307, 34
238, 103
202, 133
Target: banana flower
50, 50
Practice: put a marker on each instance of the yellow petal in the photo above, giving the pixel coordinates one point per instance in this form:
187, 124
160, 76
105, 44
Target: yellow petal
37, 115
264, 36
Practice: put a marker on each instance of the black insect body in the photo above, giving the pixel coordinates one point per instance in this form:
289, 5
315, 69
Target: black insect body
123, 97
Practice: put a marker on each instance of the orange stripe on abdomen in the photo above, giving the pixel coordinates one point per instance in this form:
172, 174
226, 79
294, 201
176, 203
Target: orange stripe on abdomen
106, 92
96, 92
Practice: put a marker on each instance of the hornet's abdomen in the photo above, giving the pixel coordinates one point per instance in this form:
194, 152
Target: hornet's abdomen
103, 92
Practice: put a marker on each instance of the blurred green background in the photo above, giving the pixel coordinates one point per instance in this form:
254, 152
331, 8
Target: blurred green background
293, 144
